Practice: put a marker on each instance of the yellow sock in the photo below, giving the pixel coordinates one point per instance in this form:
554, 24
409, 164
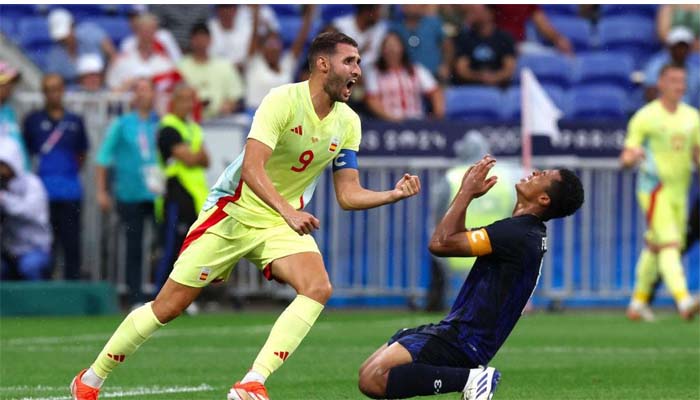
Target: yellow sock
672, 273
136, 328
289, 330
646, 274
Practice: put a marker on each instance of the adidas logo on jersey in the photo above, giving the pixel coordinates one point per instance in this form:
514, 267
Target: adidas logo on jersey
297, 130
282, 354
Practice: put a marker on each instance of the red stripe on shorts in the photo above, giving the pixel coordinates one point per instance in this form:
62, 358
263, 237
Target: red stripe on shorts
213, 219
652, 203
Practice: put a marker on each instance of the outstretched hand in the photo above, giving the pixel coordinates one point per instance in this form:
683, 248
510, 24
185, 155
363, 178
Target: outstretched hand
474, 181
407, 186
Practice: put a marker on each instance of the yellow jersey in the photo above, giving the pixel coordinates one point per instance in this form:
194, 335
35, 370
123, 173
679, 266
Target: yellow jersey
302, 147
668, 140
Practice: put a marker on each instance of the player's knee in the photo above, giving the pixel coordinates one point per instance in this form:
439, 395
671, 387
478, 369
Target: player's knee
372, 383
166, 311
320, 291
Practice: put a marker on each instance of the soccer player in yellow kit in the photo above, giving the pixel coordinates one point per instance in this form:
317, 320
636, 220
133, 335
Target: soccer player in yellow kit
255, 211
663, 138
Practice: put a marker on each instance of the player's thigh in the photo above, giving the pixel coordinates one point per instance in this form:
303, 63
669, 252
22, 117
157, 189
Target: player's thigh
212, 248
371, 358
662, 220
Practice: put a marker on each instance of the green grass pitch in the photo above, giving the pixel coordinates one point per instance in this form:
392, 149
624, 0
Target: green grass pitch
576, 355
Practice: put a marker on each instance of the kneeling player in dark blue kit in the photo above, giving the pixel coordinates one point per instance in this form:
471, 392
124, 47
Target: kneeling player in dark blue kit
452, 355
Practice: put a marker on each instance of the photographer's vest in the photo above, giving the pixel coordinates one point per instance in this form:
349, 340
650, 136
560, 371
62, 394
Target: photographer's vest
193, 179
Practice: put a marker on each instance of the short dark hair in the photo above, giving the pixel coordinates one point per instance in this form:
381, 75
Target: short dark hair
671, 65
198, 28
325, 43
565, 195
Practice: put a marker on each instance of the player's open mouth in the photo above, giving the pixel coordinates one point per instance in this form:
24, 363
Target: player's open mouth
349, 84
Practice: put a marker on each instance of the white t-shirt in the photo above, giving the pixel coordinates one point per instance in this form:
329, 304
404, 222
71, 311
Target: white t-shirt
131, 65
165, 42
233, 45
400, 92
369, 42
261, 78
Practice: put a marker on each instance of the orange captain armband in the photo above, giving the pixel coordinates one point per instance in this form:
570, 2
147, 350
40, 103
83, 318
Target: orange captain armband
479, 242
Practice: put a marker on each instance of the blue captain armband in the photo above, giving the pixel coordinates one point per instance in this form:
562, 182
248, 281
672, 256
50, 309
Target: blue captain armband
345, 159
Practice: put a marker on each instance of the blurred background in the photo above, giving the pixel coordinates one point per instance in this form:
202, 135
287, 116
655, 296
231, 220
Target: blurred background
440, 87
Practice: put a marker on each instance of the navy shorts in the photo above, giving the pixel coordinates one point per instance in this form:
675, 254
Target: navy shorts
433, 345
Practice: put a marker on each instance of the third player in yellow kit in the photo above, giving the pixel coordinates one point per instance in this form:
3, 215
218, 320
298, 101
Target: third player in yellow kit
663, 138
255, 211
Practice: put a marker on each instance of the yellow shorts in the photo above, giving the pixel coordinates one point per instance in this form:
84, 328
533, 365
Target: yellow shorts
666, 213
216, 241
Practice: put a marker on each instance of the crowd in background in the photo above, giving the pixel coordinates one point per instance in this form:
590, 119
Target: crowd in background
231, 56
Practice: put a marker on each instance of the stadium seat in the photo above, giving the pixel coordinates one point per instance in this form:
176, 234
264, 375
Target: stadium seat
647, 11
286, 10
577, 30
8, 26
117, 28
512, 106
611, 68
551, 10
549, 69
634, 35
33, 32
473, 103
82, 12
16, 11
597, 102
329, 12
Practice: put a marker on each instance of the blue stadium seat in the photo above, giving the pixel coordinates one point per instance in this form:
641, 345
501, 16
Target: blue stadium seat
512, 106
33, 32
286, 10
634, 35
15, 11
611, 68
82, 12
329, 12
8, 26
473, 103
560, 9
549, 69
597, 102
577, 30
289, 27
117, 28
647, 11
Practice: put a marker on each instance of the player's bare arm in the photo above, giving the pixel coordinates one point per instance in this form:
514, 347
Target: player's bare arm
254, 175
450, 237
631, 156
352, 196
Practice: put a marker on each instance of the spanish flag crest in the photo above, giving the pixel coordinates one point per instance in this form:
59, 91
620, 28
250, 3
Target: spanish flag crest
335, 142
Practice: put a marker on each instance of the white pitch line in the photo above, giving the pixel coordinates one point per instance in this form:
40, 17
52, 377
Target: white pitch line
133, 392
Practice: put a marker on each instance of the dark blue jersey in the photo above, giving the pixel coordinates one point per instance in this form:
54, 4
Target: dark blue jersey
499, 285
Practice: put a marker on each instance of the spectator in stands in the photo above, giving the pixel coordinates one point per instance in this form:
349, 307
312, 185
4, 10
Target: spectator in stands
129, 151
232, 30
367, 28
25, 242
164, 41
74, 41
144, 61
671, 16
678, 43
395, 86
184, 159
218, 84
180, 18
268, 65
57, 138
485, 54
512, 19
90, 70
9, 127
426, 43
